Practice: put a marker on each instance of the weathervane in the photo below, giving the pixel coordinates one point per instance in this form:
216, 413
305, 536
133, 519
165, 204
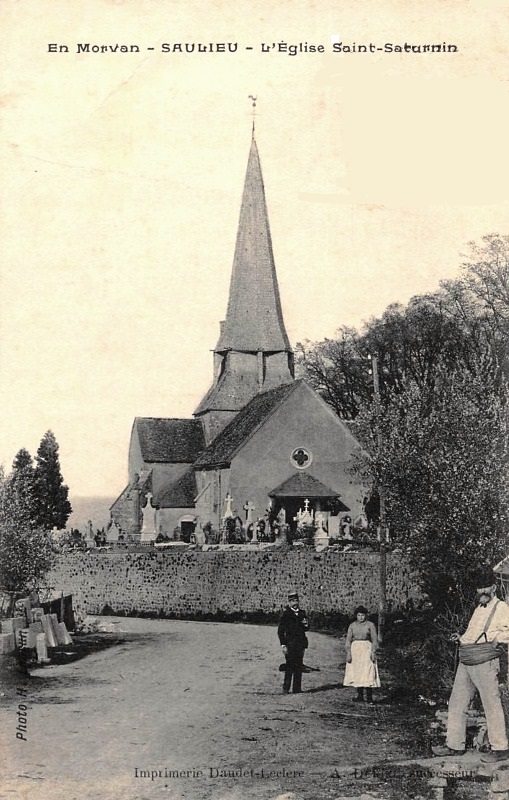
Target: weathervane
254, 110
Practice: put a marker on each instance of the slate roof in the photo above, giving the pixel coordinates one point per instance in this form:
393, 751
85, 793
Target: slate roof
170, 440
302, 484
180, 494
254, 319
221, 451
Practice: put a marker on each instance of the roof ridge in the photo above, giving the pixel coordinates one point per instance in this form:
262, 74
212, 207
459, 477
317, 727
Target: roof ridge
170, 419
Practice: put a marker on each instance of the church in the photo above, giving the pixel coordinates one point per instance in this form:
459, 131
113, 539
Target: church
261, 444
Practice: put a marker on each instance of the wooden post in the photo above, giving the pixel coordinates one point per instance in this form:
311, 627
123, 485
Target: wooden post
382, 604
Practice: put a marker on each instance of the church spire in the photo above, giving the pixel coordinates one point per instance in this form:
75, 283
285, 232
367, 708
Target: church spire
253, 353
254, 319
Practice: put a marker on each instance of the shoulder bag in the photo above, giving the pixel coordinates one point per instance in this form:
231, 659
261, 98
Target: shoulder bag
480, 652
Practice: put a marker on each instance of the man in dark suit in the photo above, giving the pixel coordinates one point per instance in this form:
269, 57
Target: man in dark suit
292, 635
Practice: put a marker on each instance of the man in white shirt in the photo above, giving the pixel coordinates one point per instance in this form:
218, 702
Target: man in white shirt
491, 617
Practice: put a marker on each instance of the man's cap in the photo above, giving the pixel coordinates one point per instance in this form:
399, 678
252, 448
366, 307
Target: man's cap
483, 577
292, 595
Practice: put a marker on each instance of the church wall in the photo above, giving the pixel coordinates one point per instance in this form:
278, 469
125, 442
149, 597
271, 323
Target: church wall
125, 512
191, 583
242, 371
239, 383
276, 370
204, 500
210, 502
168, 519
136, 462
303, 420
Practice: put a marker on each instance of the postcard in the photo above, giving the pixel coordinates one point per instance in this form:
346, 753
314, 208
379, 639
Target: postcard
342, 157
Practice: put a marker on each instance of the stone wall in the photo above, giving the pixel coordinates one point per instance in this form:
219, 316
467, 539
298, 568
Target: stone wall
189, 583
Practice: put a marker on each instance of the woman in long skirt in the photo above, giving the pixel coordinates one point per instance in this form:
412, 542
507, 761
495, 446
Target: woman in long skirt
361, 651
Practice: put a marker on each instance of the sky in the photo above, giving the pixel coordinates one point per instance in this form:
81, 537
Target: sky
122, 176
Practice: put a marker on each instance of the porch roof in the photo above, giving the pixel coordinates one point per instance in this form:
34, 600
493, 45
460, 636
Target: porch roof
302, 484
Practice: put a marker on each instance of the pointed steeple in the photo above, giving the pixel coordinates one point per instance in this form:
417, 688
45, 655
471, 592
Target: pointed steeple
253, 353
254, 319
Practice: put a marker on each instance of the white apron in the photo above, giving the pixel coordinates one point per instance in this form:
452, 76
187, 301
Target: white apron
361, 671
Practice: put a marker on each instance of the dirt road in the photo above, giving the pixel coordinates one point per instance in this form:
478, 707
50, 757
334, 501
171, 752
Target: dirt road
193, 711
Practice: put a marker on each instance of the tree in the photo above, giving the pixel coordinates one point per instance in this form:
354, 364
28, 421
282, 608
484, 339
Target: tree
443, 367
443, 468
20, 486
481, 295
51, 495
25, 552
338, 370
485, 273
410, 343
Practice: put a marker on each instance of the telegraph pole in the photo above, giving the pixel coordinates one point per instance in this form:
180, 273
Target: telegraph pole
382, 604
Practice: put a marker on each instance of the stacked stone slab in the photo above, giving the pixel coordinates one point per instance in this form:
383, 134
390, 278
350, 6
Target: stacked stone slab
35, 630
13, 624
9, 634
48, 630
42, 650
63, 633
6, 643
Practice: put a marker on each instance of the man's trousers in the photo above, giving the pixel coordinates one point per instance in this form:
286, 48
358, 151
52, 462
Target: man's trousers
484, 679
294, 658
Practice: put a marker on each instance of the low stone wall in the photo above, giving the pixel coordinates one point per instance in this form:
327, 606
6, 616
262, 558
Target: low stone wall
193, 583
